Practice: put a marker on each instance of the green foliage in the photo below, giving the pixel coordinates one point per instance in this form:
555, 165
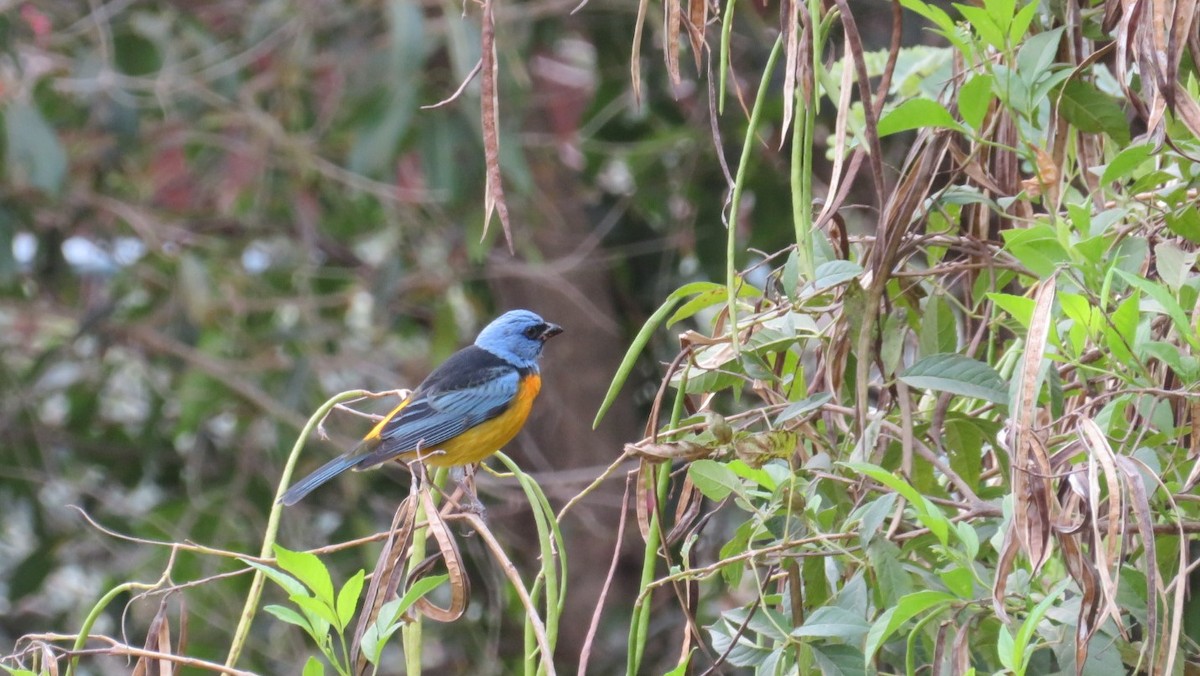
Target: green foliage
322, 615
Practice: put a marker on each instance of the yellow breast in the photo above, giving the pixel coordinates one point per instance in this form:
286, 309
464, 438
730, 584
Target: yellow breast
486, 438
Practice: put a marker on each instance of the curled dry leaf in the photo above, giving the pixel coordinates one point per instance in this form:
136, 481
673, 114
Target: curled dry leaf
757, 448
385, 580
669, 451
460, 583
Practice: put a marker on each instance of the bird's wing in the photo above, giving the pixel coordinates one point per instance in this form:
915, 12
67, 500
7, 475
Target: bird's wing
443, 409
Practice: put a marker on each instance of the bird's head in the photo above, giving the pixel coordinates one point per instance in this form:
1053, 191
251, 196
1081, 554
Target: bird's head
517, 337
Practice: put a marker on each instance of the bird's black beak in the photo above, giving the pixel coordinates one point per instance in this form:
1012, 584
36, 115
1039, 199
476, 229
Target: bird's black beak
550, 331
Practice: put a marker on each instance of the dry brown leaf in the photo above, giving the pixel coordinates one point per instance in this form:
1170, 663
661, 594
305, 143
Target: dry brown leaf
674, 21
385, 580
696, 25
756, 449
1194, 452
1106, 548
1033, 497
493, 197
1008, 555
158, 640
645, 499
49, 664
839, 142
1144, 519
460, 583
669, 451
635, 59
790, 17
686, 512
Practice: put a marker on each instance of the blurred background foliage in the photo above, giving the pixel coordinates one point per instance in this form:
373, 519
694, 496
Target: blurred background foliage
215, 215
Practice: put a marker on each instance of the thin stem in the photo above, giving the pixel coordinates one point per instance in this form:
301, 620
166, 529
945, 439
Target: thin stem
256, 585
731, 277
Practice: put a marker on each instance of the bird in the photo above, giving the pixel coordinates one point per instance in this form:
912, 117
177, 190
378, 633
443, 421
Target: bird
465, 410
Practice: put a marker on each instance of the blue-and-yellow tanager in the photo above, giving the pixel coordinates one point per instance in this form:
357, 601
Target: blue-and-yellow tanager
464, 411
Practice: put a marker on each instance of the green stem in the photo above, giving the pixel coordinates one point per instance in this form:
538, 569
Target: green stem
640, 625
553, 573
726, 34
256, 585
94, 614
731, 277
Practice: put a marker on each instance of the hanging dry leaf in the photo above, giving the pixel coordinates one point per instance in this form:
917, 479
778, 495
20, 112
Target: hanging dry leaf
494, 189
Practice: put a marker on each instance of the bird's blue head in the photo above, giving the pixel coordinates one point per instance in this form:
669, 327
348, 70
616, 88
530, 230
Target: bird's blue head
517, 337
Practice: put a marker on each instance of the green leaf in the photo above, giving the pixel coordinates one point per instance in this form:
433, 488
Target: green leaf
805, 405
1020, 643
939, 328
732, 572
681, 669
642, 339
915, 114
1020, 307
832, 273
836, 659
1036, 55
719, 293
927, 513
892, 580
347, 599
1167, 302
1021, 21
959, 580
289, 584
969, 538
983, 24
387, 622
1036, 247
1174, 265
315, 608
758, 476
974, 98
291, 617
1092, 111
1185, 223
1185, 366
935, 14
833, 622
959, 375
963, 440
1120, 331
906, 608
1004, 648
873, 516
1126, 162
313, 667
714, 479
1000, 11
34, 154
308, 569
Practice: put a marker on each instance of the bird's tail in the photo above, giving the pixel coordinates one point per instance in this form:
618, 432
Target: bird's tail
325, 473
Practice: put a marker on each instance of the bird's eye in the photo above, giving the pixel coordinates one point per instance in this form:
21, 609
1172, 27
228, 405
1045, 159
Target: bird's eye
533, 332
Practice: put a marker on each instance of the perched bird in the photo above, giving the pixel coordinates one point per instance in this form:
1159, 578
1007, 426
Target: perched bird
464, 411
